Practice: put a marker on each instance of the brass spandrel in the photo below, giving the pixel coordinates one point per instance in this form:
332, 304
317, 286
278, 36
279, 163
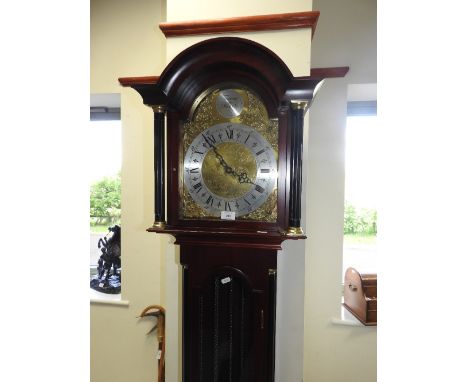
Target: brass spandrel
268, 211
191, 209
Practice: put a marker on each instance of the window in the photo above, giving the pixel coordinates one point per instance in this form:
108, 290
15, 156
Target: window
104, 176
360, 218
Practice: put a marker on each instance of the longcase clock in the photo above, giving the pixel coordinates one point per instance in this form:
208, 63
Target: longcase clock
231, 114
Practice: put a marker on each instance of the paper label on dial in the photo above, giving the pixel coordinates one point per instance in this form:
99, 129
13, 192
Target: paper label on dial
228, 215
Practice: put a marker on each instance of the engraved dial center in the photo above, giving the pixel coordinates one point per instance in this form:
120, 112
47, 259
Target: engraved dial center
229, 170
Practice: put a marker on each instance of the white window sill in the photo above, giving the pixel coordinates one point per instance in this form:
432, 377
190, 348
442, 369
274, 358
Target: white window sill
107, 299
347, 319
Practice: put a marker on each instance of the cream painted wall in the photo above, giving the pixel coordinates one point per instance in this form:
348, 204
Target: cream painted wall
350, 27
126, 41
181, 10
345, 36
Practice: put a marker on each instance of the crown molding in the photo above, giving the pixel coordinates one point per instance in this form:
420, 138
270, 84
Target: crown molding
278, 21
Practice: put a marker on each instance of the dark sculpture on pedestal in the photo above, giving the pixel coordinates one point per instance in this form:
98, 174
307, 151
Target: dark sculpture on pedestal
108, 278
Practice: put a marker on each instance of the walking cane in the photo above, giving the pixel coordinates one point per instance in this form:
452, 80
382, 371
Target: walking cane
160, 313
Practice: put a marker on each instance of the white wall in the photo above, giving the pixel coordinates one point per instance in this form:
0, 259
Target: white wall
181, 10
126, 41
345, 36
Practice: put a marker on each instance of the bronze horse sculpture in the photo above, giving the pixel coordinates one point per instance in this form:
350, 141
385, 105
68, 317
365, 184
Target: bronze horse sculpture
108, 278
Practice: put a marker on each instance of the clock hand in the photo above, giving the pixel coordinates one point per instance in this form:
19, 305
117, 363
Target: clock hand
242, 177
228, 169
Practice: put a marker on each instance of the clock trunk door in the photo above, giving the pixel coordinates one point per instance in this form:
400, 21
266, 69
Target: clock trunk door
228, 315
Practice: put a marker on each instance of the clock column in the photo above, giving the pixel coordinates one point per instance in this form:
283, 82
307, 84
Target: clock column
295, 183
159, 167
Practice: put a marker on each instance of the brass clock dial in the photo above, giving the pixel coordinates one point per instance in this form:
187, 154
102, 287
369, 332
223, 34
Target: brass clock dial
230, 167
229, 158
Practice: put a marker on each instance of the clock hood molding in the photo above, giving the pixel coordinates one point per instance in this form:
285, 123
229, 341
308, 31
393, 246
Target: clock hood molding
218, 60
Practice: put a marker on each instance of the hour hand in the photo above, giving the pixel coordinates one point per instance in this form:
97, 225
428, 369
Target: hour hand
243, 178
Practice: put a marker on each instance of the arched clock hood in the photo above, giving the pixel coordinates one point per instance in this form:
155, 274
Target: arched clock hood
226, 59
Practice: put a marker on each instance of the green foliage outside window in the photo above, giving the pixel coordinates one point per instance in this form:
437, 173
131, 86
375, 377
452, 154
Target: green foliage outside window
359, 220
105, 201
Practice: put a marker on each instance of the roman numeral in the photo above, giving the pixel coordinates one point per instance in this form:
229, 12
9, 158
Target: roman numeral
227, 206
195, 150
260, 152
246, 139
195, 170
259, 188
230, 133
245, 200
197, 186
209, 200
210, 139
265, 170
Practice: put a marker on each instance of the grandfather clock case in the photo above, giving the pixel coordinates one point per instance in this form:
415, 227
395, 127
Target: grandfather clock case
230, 114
